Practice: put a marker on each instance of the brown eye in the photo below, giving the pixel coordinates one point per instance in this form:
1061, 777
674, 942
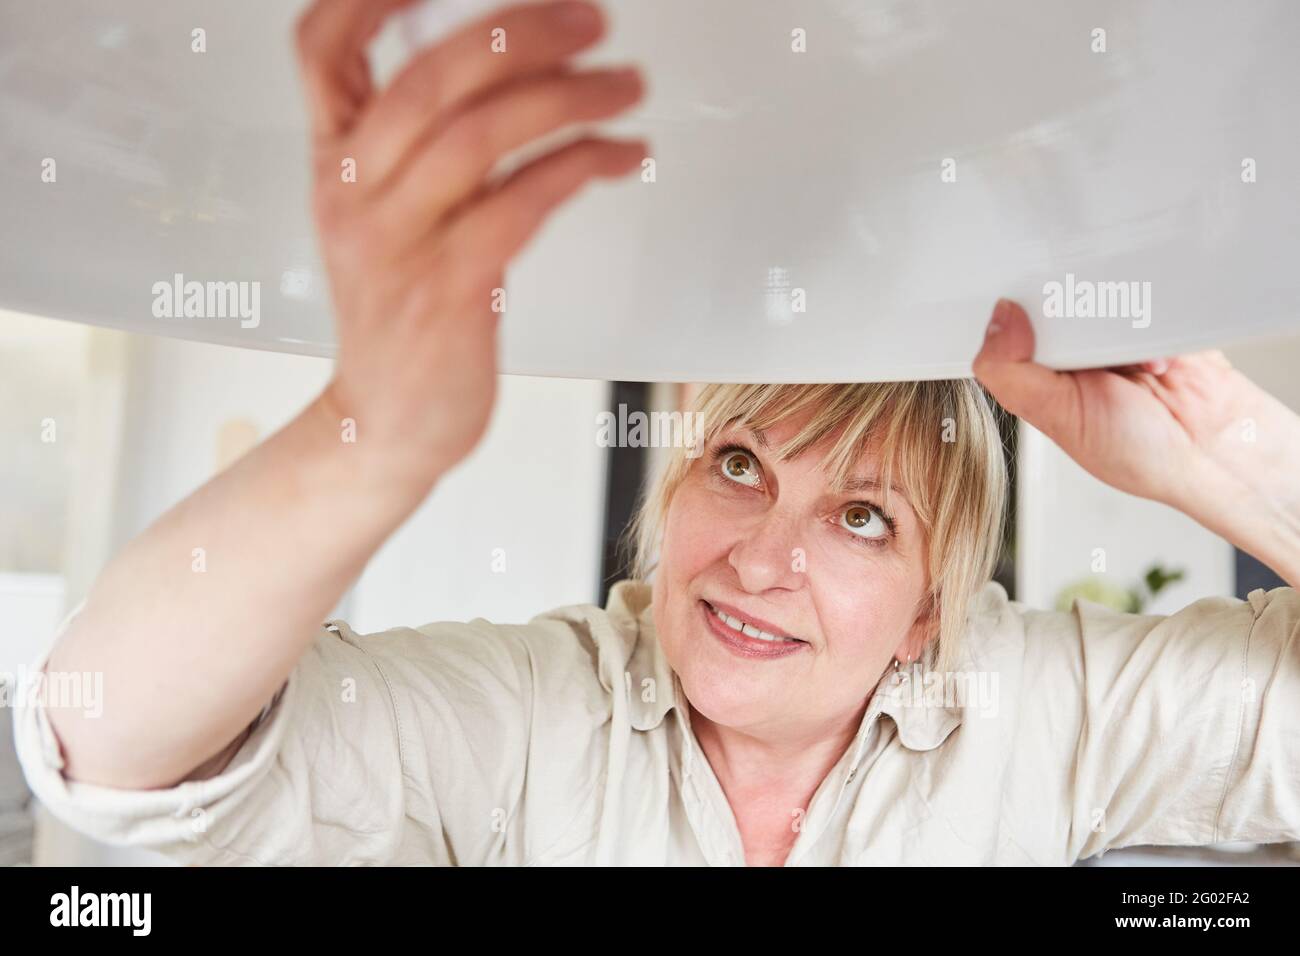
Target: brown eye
865, 522
737, 467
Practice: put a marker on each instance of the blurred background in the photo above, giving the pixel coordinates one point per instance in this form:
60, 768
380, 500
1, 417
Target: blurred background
103, 430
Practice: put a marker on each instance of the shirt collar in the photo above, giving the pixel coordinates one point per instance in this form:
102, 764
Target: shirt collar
654, 689
922, 724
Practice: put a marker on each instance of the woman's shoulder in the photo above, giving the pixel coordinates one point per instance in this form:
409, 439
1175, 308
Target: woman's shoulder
561, 651
1003, 629
1000, 622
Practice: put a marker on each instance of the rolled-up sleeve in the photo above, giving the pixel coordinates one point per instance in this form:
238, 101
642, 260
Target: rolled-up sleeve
1188, 731
405, 746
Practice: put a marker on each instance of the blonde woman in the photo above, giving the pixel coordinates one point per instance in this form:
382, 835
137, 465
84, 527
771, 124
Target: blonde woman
746, 696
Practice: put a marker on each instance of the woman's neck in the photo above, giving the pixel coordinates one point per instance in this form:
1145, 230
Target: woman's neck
769, 781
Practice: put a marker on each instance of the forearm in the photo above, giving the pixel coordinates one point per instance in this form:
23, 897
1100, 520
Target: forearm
1259, 522
199, 620
1249, 490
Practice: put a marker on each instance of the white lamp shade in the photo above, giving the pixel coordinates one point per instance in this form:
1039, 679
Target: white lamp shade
841, 188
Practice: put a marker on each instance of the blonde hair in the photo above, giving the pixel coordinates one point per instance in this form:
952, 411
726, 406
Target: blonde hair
938, 441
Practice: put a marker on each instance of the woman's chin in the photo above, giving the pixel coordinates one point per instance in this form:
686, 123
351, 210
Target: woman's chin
727, 696
729, 688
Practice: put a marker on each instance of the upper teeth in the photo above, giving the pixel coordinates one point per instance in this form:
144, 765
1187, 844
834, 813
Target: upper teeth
736, 624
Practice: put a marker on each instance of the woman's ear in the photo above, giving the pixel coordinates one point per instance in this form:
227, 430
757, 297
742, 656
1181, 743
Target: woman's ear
923, 630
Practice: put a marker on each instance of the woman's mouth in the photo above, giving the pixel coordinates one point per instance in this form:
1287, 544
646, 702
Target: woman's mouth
746, 640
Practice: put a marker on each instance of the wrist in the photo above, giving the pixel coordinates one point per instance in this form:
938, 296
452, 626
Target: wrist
365, 466
1275, 534
1249, 495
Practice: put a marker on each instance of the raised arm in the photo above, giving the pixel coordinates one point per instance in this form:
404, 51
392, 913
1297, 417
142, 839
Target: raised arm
416, 244
1190, 432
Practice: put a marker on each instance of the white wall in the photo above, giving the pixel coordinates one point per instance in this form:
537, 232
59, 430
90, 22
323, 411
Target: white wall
1064, 516
534, 489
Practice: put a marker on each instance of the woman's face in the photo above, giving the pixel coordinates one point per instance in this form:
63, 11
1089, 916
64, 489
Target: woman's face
770, 543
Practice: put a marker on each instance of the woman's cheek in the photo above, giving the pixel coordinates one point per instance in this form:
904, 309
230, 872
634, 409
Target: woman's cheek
702, 528
879, 611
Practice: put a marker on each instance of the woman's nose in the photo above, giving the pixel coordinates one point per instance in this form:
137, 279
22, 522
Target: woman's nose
770, 554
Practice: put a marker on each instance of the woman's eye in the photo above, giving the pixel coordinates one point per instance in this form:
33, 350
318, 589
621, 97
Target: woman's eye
738, 467
864, 522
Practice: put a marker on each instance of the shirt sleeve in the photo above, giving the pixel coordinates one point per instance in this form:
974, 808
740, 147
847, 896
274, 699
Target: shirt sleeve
398, 747
1189, 730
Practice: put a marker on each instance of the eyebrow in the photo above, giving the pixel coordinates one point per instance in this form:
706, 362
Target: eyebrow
861, 483
853, 483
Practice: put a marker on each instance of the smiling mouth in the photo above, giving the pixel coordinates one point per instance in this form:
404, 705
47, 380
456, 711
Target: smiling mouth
743, 628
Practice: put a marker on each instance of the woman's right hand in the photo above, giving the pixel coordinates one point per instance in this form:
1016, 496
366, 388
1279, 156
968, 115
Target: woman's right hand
414, 248
416, 243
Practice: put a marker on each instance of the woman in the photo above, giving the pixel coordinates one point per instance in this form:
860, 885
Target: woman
828, 552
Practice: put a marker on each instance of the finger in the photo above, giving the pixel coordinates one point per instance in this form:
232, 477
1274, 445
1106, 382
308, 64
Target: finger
537, 37
1006, 368
491, 230
1211, 357
454, 165
331, 38
1152, 367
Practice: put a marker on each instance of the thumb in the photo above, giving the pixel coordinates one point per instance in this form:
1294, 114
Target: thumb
1006, 368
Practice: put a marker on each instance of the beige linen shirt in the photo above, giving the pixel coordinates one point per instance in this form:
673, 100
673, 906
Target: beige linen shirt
567, 740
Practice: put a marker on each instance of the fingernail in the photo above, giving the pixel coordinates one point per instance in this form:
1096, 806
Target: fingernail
628, 77
576, 15
998, 321
635, 149
1008, 338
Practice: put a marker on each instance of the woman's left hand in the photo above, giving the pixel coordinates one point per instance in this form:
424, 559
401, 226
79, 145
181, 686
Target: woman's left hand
1191, 432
